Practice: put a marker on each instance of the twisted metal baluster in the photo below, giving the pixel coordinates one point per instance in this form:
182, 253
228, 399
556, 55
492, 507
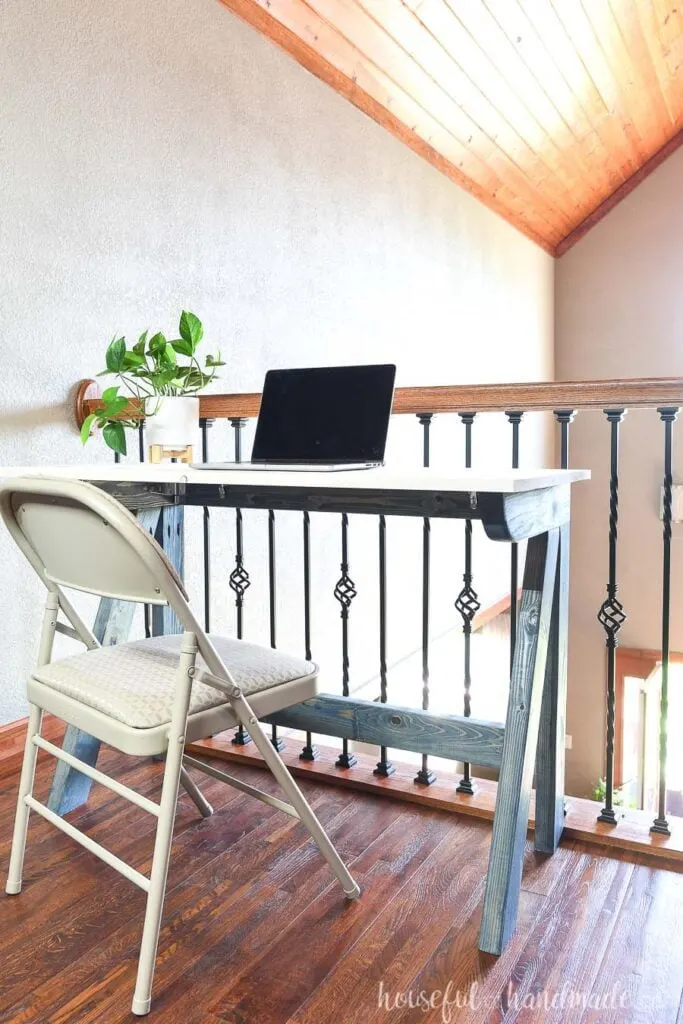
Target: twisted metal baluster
611, 615
384, 766
425, 776
239, 577
344, 592
468, 604
668, 417
515, 418
564, 417
205, 424
278, 743
309, 752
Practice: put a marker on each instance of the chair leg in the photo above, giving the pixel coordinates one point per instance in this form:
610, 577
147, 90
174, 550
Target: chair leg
296, 797
195, 793
28, 770
142, 999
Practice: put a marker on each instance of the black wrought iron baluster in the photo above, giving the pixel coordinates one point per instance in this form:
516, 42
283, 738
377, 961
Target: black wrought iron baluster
239, 577
345, 591
425, 776
384, 766
564, 417
206, 531
468, 604
668, 417
515, 418
278, 743
309, 752
611, 615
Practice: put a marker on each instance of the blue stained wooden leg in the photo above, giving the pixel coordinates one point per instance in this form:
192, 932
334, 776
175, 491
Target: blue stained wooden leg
70, 788
550, 753
170, 534
504, 875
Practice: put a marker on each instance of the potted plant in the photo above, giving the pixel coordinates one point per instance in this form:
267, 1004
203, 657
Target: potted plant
161, 378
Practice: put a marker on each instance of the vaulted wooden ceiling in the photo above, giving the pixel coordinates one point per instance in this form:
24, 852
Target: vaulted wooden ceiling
549, 111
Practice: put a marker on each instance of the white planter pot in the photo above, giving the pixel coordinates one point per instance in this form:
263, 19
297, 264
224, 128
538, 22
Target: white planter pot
172, 422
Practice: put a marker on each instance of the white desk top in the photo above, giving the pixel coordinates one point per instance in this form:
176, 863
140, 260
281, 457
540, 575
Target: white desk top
511, 481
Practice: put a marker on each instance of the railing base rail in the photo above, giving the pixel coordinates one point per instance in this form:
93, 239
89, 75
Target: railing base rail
633, 834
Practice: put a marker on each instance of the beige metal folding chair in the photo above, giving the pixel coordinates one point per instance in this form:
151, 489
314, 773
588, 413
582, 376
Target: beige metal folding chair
146, 697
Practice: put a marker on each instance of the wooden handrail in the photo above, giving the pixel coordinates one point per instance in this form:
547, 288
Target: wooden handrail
532, 397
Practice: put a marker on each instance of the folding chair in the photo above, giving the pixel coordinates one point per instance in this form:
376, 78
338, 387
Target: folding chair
146, 697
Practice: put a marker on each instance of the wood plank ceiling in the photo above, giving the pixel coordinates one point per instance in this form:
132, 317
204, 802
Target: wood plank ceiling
549, 111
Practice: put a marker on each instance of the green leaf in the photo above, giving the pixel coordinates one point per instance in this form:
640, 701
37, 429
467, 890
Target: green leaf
183, 347
109, 394
157, 344
115, 355
168, 355
160, 378
87, 426
132, 360
196, 380
115, 436
139, 346
214, 360
113, 408
190, 329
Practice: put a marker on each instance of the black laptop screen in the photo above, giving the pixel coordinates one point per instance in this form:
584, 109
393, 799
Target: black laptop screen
331, 414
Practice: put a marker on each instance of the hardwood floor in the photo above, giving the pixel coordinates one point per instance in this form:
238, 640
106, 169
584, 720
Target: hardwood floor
256, 932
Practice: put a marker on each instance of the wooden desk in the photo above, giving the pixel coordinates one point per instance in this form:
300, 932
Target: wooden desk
513, 505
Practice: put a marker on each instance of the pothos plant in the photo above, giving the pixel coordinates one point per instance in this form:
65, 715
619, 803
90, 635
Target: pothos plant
150, 370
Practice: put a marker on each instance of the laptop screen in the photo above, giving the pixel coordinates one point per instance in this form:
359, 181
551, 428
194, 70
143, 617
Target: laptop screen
329, 414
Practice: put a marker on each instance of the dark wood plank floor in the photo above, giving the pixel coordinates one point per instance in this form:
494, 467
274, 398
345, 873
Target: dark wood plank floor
256, 932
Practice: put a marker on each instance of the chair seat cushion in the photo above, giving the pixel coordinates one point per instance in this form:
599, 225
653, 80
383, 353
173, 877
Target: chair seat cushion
134, 682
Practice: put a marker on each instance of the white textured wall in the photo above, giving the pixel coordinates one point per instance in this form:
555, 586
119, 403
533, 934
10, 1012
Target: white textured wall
619, 309
159, 156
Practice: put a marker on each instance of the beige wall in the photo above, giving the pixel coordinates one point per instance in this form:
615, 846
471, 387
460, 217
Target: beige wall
162, 155
619, 313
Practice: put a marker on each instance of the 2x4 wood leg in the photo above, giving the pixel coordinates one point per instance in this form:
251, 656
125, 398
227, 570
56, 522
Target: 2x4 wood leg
527, 682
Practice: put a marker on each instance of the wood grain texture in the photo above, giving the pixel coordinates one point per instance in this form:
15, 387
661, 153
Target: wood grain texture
514, 517
327, 54
550, 750
13, 736
170, 535
506, 516
548, 113
632, 835
519, 745
388, 725
620, 193
524, 397
254, 931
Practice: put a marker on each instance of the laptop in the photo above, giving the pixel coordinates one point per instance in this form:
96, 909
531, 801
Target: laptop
328, 418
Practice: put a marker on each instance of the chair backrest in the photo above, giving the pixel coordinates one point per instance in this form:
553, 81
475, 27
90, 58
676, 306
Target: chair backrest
77, 536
